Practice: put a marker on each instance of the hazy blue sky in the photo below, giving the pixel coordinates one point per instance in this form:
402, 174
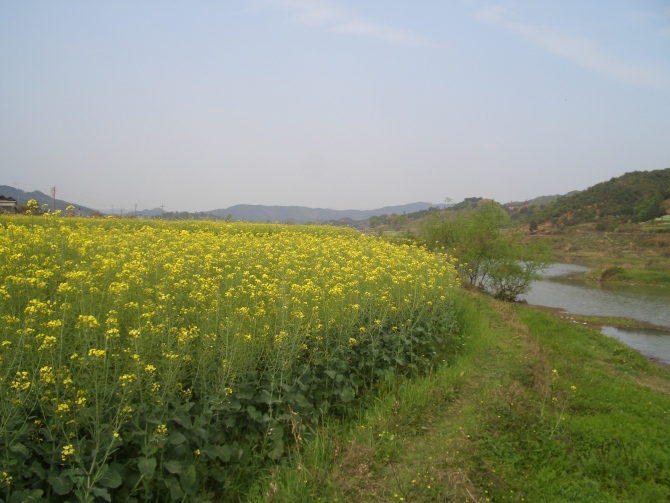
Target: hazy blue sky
329, 103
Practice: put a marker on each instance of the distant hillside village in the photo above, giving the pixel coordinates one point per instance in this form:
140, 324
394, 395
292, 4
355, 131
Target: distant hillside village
37, 202
8, 204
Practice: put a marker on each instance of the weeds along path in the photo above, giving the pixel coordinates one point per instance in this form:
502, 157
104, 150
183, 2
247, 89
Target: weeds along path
535, 409
433, 453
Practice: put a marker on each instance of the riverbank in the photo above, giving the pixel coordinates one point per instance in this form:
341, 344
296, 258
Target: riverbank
608, 323
535, 409
630, 255
598, 322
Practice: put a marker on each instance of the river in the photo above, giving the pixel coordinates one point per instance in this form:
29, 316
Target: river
558, 289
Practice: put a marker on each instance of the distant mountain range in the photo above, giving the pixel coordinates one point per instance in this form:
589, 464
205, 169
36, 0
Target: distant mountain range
637, 196
302, 214
292, 214
245, 212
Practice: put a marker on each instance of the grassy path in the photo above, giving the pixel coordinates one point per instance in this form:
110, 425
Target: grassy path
535, 409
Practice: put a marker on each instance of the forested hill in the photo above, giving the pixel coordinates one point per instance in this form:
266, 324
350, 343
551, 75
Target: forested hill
638, 196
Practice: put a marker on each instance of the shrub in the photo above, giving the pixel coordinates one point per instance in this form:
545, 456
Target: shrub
491, 258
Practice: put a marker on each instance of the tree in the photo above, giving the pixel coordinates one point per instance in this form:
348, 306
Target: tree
492, 258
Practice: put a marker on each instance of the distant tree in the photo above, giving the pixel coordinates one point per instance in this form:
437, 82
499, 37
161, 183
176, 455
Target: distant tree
374, 221
648, 209
492, 258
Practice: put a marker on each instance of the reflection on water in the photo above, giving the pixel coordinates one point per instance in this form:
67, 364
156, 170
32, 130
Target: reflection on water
591, 298
652, 343
558, 290
557, 270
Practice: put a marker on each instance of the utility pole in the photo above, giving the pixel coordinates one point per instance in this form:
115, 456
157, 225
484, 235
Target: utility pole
162, 208
135, 209
53, 199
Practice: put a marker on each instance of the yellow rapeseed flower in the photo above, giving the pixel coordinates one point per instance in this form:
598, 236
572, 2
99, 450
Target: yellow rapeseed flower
67, 451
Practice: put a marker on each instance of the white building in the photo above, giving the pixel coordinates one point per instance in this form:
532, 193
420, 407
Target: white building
7, 203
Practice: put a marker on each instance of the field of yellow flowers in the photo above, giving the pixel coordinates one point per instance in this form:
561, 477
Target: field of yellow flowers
152, 360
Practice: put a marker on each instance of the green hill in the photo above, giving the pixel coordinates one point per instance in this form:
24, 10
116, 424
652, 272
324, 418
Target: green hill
637, 197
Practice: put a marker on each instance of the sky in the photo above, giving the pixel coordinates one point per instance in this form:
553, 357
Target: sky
336, 104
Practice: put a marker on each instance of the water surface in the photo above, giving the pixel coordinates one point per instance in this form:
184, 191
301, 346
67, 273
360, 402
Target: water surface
559, 290
651, 343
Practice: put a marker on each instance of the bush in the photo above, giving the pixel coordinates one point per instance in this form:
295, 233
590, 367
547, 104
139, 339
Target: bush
491, 258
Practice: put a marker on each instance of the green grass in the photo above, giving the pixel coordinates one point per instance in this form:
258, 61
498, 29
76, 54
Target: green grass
535, 409
643, 276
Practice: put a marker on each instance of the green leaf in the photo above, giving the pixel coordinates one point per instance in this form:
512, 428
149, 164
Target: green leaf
175, 489
150, 450
20, 449
111, 479
61, 485
269, 398
235, 405
278, 449
177, 438
187, 478
102, 472
103, 493
39, 470
243, 395
347, 395
173, 466
182, 419
223, 452
301, 401
147, 466
27, 496
253, 413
